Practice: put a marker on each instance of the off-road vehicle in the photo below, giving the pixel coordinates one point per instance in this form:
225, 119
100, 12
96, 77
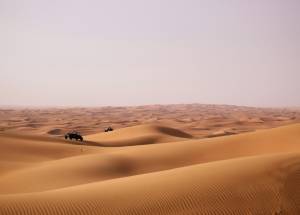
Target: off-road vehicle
73, 135
108, 129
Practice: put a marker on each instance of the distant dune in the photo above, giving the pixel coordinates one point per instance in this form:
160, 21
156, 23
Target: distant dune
195, 119
151, 168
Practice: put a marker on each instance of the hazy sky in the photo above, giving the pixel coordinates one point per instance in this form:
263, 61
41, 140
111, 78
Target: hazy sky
132, 52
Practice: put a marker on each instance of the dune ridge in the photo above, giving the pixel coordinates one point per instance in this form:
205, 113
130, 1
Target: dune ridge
139, 135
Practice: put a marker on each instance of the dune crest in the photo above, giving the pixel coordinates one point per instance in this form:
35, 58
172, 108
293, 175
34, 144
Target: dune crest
139, 135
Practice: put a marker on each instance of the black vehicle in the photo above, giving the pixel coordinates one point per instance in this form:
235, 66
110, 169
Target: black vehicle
73, 135
108, 129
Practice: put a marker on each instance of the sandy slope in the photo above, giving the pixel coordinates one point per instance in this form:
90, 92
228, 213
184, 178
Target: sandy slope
257, 172
255, 185
139, 135
19, 151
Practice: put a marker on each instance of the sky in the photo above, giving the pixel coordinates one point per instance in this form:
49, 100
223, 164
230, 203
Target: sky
139, 52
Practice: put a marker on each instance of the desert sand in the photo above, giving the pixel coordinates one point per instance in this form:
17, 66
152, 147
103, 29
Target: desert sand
175, 159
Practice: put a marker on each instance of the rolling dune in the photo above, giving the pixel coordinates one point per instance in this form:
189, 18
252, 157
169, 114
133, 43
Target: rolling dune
152, 169
139, 135
227, 187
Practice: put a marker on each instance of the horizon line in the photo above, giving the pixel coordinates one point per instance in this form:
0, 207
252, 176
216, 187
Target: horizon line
139, 105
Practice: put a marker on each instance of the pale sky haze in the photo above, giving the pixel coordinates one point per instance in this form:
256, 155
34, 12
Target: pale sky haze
136, 52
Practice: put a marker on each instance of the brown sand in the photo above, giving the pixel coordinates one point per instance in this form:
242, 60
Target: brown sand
153, 168
195, 119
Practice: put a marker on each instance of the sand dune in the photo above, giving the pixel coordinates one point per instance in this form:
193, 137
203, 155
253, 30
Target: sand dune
197, 119
89, 166
152, 169
18, 151
139, 135
227, 187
